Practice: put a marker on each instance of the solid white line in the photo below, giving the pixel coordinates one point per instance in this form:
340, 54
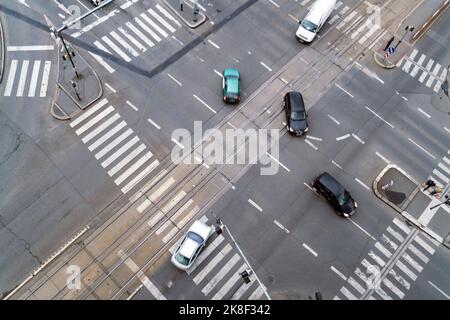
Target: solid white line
358, 138
213, 44
277, 161
119, 152
412, 141
308, 186
382, 157
132, 39
139, 33
106, 136
45, 76
424, 113
132, 106
274, 3
94, 120
220, 274
124, 44
208, 268
154, 124
154, 25
380, 117
205, 253
168, 15
218, 73
334, 120
29, 48
311, 144
178, 143
204, 103
281, 226
362, 229
110, 88
337, 165
406, 270
175, 80
265, 66
174, 201
34, 78
133, 168
11, 77
23, 78
147, 29
161, 20
102, 62
140, 176
229, 284
253, 203
447, 129
344, 90
309, 249
343, 137
340, 274
442, 292
88, 113
157, 193
314, 138
404, 98
116, 49
293, 18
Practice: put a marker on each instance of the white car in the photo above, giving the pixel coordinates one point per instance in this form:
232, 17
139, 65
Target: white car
191, 245
314, 20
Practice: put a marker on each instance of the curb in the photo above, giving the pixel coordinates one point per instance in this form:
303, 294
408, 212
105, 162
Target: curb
376, 56
2, 40
202, 17
424, 28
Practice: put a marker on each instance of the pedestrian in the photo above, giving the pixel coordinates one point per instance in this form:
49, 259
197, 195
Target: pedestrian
430, 183
436, 191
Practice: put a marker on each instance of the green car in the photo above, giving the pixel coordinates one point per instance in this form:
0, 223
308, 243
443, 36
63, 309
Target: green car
231, 79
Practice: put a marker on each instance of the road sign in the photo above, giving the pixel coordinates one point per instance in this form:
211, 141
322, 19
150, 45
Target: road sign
391, 50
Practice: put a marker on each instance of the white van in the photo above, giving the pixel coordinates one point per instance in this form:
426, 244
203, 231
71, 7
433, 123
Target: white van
314, 20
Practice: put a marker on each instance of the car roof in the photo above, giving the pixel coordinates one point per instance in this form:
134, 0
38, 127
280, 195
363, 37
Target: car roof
200, 228
296, 101
318, 10
331, 183
231, 72
188, 248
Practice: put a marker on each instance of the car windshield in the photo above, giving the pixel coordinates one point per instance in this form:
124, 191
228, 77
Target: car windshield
308, 25
343, 198
193, 236
298, 115
182, 259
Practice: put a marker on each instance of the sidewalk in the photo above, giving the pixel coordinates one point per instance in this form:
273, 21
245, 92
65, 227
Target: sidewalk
70, 100
188, 12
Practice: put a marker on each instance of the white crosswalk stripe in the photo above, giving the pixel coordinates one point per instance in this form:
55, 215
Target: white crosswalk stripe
220, 274
205, 253
116, 49
108, 135
393, 288
124, 44
208, 268
229, 284
146, 28
23, 80
133, 39
161, 20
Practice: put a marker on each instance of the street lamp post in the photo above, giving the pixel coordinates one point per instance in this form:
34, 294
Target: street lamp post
407, 29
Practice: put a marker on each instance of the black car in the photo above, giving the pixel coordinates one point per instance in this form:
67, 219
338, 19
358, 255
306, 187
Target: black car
338, 197
296, 117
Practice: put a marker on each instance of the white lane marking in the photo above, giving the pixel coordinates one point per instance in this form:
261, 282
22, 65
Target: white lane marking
393, 288
336, 298
377, 258
356, 285
116, 49
343, 137
404, 98
438, 174
423, 149
110, 88
154, 124
119, 152
413, 263
127, 159
361, 274
34, 78
383, 250
132, 39
163, 227
88, 113
134, 167
265, 66
444, 168
348, 93
154, 25
396, 235
161, 20
337, 165
168, 15
314, 138
204, 103
62, 7
132, 106
406, 270
340, 274
205, 253
274, 3
334, 120
379, 117
94, 120
177, 143
416, 68
45, 77
308, 186
400, 279
102, 62
229, 284
382, 157
215, 45
418, 253
348, 294
208, 268
174, 201
106, 136
29, 48
181, 210
175, 80
11, 77
253, 203
87, 8
139, 33
424, 113
401, 225
277, 161
22, 78
293, 18
358, 138
311, 144
220, 274
218, 73
188, 217
281, 226
157, 193
362, 229
314, 253
144, 205
437, 288
424, 245
142, 277
147, 29
124, 44
100, 128
140, 176
170, 235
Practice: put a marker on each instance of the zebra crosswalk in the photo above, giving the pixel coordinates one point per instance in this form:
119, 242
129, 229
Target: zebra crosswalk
27, 78
136, 36
381, 275
423, 69
120, 151
441, 174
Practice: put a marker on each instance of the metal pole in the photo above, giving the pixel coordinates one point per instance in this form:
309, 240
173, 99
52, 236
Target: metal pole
196, 11
69, 55
248, 263
408, 29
